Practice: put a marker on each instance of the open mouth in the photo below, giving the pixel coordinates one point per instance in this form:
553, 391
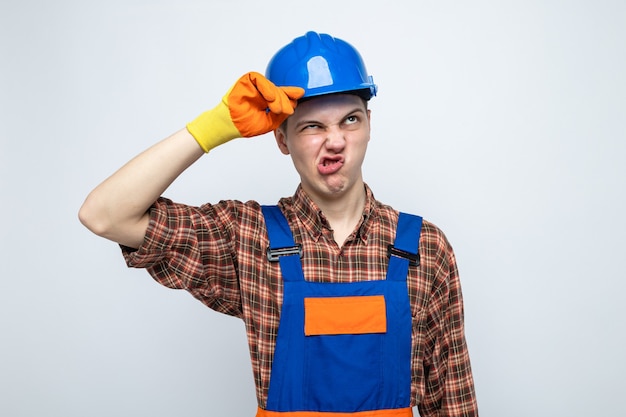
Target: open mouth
330, 165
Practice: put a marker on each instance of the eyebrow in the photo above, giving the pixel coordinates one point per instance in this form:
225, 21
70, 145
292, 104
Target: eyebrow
314, 121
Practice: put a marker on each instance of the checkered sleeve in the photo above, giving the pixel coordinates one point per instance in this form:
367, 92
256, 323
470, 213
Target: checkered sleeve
192, 248
449, 390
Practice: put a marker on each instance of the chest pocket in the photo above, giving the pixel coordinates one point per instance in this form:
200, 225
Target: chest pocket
344, 315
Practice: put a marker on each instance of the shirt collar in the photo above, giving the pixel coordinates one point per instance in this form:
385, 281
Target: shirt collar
315, 222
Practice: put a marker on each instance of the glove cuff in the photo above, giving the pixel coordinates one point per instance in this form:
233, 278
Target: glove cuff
213, 127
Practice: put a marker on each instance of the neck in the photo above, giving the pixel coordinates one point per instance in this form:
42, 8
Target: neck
343, 212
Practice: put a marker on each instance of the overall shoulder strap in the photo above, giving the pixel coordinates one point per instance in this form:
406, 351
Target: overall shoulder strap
277, 228
282, 247
405, 250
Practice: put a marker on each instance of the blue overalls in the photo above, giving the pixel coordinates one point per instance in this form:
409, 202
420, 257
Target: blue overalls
342, 348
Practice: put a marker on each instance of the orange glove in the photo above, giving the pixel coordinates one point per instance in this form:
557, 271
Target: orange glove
253, 106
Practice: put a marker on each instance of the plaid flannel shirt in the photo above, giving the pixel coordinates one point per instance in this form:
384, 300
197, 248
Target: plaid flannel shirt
217, 252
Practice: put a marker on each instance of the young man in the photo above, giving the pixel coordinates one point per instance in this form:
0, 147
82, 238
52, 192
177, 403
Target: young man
350, 307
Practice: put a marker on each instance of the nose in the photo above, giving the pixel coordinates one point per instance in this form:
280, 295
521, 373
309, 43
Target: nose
335, 140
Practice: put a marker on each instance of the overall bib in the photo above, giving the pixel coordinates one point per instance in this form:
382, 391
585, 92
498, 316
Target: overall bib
342, 348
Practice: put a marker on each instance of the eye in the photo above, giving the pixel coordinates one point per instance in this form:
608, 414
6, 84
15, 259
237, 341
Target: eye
350, 120
310, 126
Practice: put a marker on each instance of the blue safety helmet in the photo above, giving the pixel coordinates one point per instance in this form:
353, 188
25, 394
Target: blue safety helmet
321, 65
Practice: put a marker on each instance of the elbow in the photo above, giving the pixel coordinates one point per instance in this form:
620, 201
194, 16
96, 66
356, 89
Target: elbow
104, 219
92, 217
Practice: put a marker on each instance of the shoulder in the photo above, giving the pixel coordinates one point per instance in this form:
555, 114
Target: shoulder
224, 214
430, 231
433, 241
433, 237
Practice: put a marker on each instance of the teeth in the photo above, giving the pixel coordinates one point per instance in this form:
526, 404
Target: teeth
328, 162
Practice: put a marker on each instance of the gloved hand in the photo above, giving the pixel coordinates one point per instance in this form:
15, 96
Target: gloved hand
253, 106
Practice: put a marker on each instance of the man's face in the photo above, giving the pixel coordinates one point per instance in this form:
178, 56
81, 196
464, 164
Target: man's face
327, 138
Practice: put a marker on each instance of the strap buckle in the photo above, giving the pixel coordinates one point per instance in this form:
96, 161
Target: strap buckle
274, 254
414, 258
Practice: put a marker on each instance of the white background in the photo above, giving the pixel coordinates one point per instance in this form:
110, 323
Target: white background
503, 122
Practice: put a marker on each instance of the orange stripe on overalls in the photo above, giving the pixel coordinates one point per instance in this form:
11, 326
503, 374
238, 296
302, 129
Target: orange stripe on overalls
399, 412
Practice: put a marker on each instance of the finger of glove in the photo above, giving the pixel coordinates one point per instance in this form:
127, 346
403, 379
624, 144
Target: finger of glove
250, 99
279, 99
255, 93
247, 107
294, 93
281, 109
276, 119
245, 91
282, 104
287, 100
265, 87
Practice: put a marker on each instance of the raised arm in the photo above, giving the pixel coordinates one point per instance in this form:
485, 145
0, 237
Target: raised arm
117, 209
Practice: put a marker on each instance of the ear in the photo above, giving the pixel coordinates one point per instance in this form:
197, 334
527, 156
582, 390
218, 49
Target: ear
281, 140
